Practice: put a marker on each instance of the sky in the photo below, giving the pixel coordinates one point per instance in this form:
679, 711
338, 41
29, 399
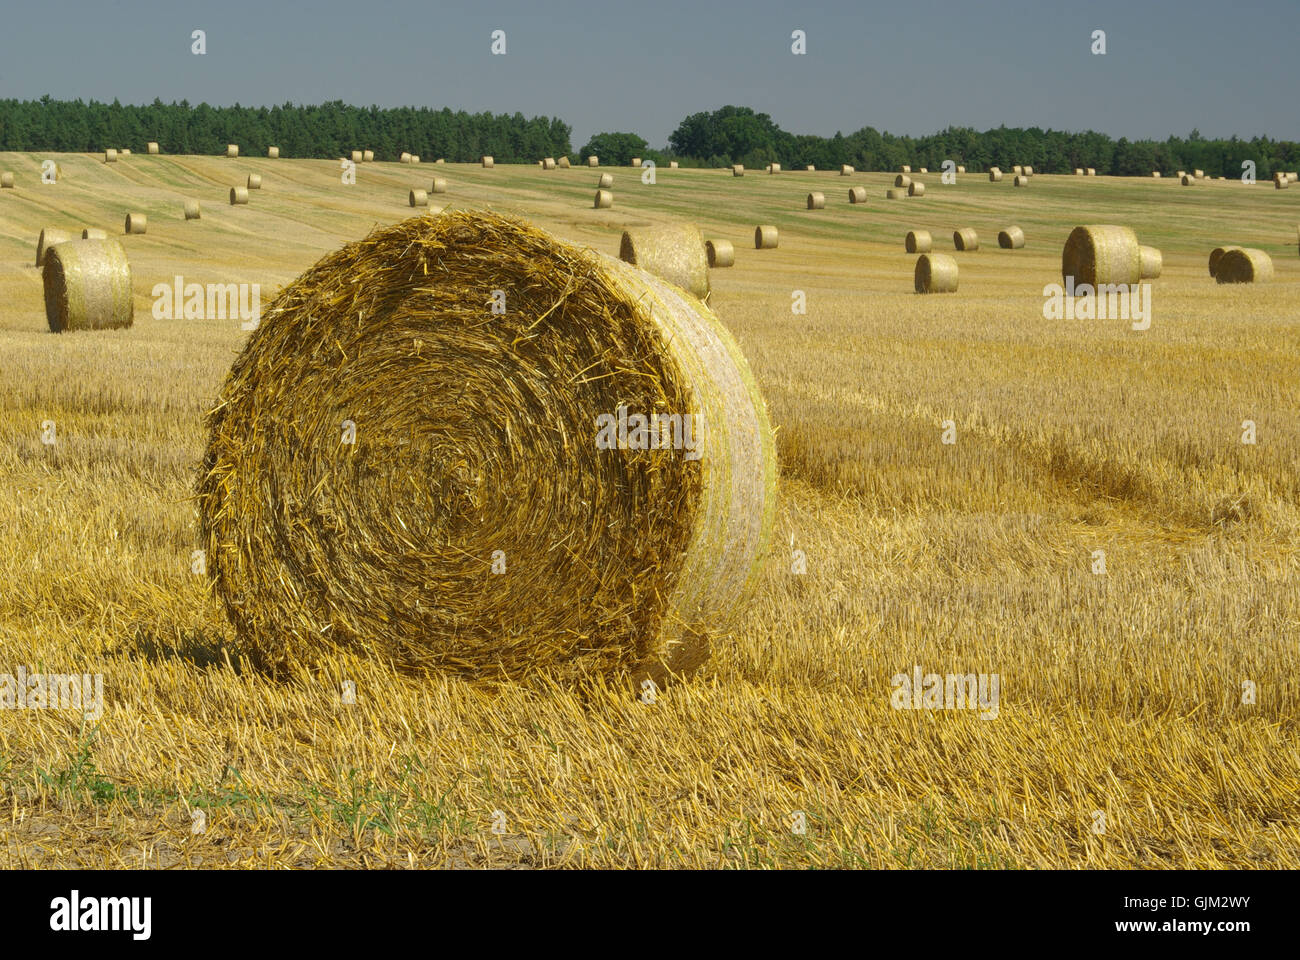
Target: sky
643, 65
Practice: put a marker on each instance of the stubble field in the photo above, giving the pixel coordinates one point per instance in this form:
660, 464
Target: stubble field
1121, 736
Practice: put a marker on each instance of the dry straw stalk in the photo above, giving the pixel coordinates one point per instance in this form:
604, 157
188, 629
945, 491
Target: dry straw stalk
966, 239
616, 561
1102, 254
816, 201
918, 241
1012, 238
935, 273
1244, 265
766, 237
721, 253
87, 286
1152, 262
675, 252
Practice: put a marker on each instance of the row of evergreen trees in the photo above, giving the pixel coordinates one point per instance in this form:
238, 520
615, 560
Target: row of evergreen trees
325, 131
720, 138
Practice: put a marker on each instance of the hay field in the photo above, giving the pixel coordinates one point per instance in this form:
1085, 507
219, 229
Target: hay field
1120, 693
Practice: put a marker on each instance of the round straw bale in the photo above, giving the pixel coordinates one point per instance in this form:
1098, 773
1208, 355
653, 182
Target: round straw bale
1018, 170
905, 168
1152, 262
1012, 238
1101, 254
902, 180
892, 193
1156, 174
774, 168
87, 286
404, 158
995, 175
7, 180
94, 233
923, 170
254, 181
1282, 183
367, 156
563, 163
415, 158
720, 253
548, 163
1092, 171
857, 194
917, 189
358, 156
816, 201
1199, 174
737, 170
136, 223
918, 241
966, 239
1187, 181
439, 185
1217, 254
110, 156
1293, 176
488, 163
273, 153
124, 151
192, 211
1180, 174
151, 148
810, 168
636, 162
1244, 265
846, 170
417, 198
1078, 171
238, 195
1028, 171
232, 150
674, 252
765, 237
935, 273
48, 238
604, 200
1020, 180
606, 181
617, 561
593, 161
960, 168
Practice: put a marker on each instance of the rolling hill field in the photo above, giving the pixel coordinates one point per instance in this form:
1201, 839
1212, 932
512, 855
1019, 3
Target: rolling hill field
1147, 714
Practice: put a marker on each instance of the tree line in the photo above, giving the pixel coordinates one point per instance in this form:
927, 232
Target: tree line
719, 138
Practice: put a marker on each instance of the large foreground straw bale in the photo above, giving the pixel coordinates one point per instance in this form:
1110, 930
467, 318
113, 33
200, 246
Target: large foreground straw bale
918, 241
87, 286
394, 470
1012, 238
935, 273
721, 253
966, 239
1102, 254
48, 238
1244, 265
766, 237
816, 200
673, 251
192, 210
1153, 262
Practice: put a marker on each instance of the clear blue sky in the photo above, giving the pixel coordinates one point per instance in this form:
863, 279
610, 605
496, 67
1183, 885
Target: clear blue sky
906, 67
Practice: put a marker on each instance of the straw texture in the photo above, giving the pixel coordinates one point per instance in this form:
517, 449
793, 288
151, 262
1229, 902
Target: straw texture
1102, 254
1244, 265
935, 273
672, 251
87, 286
721, 253
48, 238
